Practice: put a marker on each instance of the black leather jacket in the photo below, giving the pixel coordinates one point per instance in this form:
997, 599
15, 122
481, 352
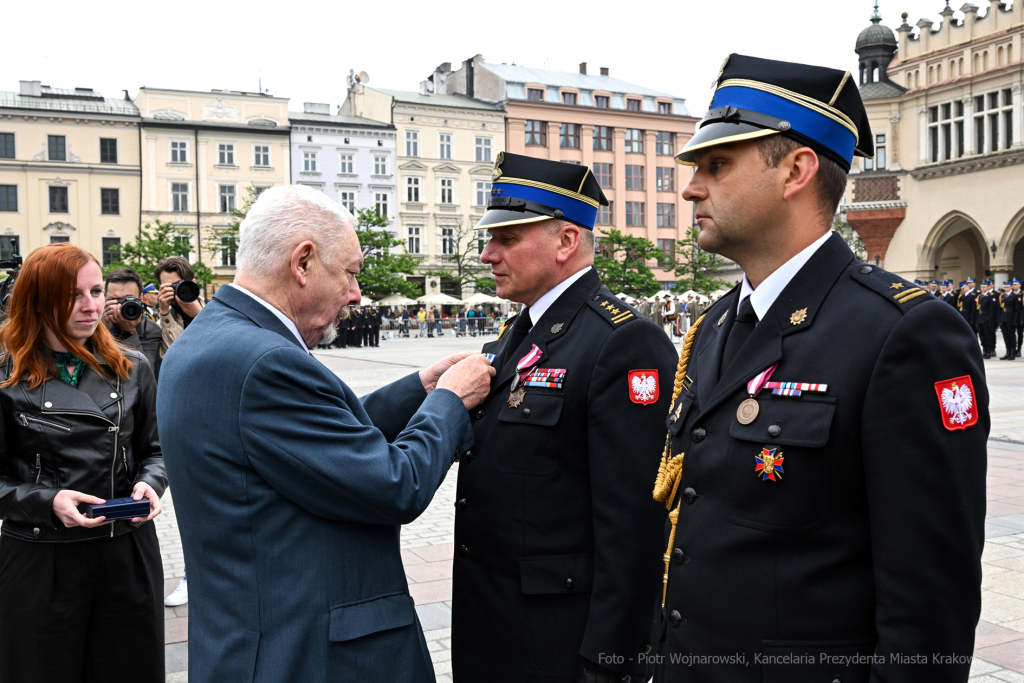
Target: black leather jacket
99, 438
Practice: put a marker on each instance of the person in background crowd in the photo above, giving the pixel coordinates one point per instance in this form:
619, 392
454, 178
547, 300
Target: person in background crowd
1009, 311
405, 321
341, 341
79, 595
438, 319
373, 338
1019, 323
471, 321
421, 319
462, 320
175, 314
430, 322
968, 303
150, 297
142, 333
481, 320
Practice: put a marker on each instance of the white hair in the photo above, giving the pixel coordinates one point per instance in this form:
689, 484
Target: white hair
281, 218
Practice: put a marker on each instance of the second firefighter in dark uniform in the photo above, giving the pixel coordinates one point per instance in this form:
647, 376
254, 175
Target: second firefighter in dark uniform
1010, 312
556, 536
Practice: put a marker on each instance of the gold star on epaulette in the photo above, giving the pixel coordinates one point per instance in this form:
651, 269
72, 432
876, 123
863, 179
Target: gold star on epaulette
896, 285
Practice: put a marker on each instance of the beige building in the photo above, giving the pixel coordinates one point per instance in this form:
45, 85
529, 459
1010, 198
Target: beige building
201, 151
447, 145
944, 196
69, 170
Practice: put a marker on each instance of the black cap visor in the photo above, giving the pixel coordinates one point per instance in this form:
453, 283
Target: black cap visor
502, 211
720, 133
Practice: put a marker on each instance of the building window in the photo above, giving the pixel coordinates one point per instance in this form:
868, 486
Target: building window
444, 146
183, 244
634, 177
632, 105
228, 250
664, 107
260, 189
55, 146
665, 179
534, 94
569, 98
226, 154
603, 138
447, 241
110, 201
111, 250
606, 214
666, 215
447, 190
634, 141
483, 192
380, 165
179, 152
108, 150
569, 136
664, 144
412, 143
880, 149
413, 244
346, 164
261, 155
6, 145
537, 133
347, 198
993, 121
309, 160
58, 199
634, 214
381, 200
603, 173
667, 248
227, 198
412, 190
8, 246
483, 149
59, 239
601, 101
481, 241
179, 196
8, 197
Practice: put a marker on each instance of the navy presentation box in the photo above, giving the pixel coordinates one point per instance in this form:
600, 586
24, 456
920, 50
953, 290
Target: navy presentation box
117, 508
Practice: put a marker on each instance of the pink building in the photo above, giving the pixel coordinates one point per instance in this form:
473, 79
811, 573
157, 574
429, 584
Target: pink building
626, 133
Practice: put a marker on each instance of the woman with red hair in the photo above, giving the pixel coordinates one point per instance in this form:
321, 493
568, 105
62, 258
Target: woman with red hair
80, 595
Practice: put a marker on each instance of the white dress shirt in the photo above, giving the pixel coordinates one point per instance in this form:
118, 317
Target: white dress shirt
542, 304
762, 298
280, 316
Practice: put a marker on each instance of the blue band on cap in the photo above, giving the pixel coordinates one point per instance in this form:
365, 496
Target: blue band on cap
573, 210
805, 121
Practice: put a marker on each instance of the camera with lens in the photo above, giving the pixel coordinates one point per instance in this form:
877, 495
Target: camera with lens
131, 308
185, 290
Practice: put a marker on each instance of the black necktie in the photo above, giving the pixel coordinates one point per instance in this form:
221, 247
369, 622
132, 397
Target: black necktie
746, 319
520, 329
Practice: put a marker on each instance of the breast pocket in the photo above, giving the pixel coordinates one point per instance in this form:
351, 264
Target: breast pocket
529, 434
780, 471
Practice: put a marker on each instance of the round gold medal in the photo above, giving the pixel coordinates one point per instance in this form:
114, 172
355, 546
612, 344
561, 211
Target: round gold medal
747, 412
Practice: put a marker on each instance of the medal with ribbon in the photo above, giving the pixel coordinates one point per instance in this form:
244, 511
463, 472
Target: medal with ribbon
517, 392
748, 410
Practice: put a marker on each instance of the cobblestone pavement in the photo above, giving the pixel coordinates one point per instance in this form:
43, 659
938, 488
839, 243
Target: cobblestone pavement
427, 543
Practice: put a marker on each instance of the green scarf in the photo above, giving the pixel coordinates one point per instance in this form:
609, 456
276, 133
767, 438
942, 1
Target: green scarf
63, 360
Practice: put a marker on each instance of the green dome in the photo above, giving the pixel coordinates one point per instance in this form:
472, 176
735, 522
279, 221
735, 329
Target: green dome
876, 34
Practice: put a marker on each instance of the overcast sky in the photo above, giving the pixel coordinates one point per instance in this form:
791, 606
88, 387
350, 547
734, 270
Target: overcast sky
304, 51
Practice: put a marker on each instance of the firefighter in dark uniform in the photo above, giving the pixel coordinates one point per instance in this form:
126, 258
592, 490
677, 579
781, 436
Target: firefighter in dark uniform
988, 318
1019, 323
373, 325
341, 341
557, 551
828, 514
952, 296
968, 303
1009, 312
355, 337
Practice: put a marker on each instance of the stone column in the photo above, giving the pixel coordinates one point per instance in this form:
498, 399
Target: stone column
650, 185
515, 136
587, 144
554, 148
894, 142
969, 126
151, 203
922, 122
201, 204
619, 178
1018, 115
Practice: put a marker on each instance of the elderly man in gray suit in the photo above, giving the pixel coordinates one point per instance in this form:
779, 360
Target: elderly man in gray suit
288, 489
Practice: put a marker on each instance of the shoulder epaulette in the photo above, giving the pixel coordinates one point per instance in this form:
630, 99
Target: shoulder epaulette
901, 293
612, 309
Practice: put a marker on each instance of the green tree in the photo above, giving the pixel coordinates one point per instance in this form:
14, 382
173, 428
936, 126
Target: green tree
383, 265
463, 254
695, 268
850, 236
152, 245
621, 262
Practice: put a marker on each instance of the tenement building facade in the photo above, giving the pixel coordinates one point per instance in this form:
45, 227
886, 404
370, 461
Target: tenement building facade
944, 196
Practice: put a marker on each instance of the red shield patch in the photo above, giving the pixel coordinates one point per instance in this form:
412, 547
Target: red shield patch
644, 387
957, 402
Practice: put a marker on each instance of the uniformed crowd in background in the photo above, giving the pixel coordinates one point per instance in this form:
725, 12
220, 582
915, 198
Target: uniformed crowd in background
986, 311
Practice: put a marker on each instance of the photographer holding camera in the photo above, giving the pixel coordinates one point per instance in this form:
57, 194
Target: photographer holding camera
178, 300
126, 317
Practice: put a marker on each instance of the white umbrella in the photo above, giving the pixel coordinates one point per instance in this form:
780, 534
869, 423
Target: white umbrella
660, 295
481, 298
442, 299
396, 300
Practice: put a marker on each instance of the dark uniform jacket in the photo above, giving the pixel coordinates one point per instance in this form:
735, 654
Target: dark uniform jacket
951, 298
870, 543
988, 308
969, 308
372, 318
1010, 308
557, 537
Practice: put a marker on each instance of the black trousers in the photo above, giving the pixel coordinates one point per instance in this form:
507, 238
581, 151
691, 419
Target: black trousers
1020, 336
374, 336
1009, 338
82, 612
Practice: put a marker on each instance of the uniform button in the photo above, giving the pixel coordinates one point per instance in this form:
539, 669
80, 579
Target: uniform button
47, 405
35, 531
866, 269
698, 434
568, 583
463, 551
479, 413
775, 430
526, 412
467, 456
675, 618
596, 297
113, 395
678, 556
689, 495
625, 679
461, 503
646, 649
836, 680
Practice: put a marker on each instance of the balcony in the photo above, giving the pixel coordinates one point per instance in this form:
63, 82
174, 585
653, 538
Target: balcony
447, 208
